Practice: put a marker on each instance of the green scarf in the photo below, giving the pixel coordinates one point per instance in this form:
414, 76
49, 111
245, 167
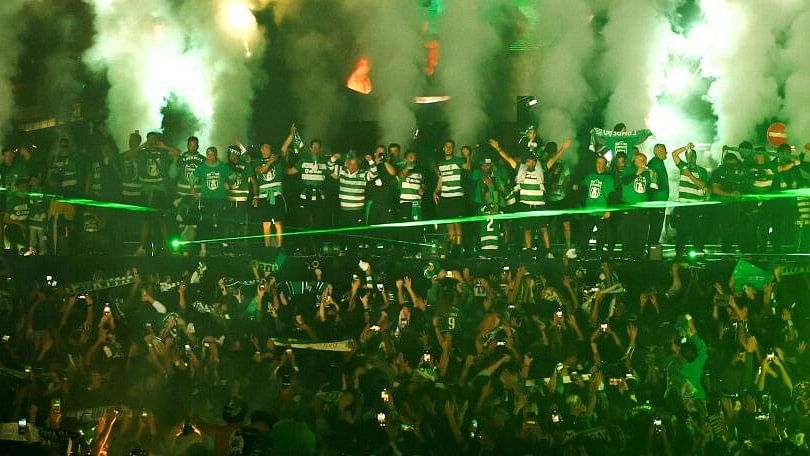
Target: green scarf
607, 136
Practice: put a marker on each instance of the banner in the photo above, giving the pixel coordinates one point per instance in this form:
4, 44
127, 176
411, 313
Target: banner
336, 346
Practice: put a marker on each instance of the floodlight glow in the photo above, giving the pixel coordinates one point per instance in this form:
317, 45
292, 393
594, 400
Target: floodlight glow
431, 100
240, 18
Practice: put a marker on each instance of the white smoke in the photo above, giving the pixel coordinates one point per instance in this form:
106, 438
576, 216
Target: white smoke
738, 57
635, 40
566, 48
390, 34
469, 40
140, 50
227, 59
797, 85
10, 27
194, 50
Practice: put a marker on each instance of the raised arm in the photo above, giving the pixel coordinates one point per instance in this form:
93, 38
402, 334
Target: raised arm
564, 147
334, 166
285, 146
467, 155
505, 156
676, 154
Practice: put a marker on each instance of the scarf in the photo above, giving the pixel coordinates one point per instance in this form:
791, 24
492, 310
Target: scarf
635, 136
335, 346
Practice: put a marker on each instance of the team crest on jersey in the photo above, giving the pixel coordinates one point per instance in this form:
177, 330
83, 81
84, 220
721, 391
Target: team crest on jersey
212, 180
595, 189
152, 167
640, 184
270, 175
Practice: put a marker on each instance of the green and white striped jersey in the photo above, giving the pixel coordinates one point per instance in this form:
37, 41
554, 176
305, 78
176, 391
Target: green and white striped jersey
410, 186
532, 187
239, 182
130, 184
687, 190
490, 232
313, 171
450, 171
352, 186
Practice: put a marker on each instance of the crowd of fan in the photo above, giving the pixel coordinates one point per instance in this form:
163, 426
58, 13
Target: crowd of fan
426, 358
199, 197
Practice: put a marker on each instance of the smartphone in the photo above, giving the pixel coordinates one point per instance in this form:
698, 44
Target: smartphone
22, 426
380, 287
188, 348
603, 327
450, 274
82, 297
500, 343
289, 351
374, 328
355, 277
559, 314
6, 338
426, 357
107, 309
144, 414
555, 418
771, 356
381, 419
506, 269
385, 396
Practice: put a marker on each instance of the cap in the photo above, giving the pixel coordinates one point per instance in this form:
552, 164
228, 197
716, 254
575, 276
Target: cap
531, 157
487, 161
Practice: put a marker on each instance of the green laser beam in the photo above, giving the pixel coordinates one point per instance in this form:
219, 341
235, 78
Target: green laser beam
290, 228
527, 214
469, 219
87, 202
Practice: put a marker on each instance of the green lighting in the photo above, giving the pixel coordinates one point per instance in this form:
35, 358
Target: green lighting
512, 216
693, 254
176, 243
88, 202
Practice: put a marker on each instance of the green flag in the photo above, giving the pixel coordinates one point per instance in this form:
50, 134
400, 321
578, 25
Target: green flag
746, 273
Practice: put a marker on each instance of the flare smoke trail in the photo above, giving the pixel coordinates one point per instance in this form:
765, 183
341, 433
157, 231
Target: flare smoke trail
228, 58
10, 27
390, 34
634, 38
566, 47
195, 61
469, 42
